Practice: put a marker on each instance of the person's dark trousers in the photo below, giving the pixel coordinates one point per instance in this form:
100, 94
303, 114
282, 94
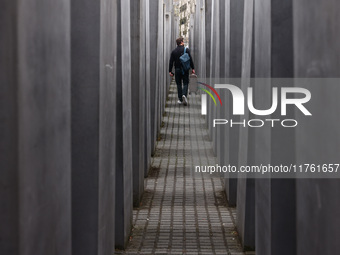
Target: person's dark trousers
179, 76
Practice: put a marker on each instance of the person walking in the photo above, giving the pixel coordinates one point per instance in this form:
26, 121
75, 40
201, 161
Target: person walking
180, 74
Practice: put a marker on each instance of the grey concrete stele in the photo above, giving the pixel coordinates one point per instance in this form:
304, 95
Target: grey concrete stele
153, 18
35, 112
148, 133
138, 97
235, 71
246, 155
274, 58
93, 126
262, 46
84, 86
124, 178
317, 55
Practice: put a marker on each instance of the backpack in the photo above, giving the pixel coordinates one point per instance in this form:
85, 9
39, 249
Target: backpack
185, 61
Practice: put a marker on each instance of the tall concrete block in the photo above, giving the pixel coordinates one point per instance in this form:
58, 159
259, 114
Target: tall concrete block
230, 183
275, 231
208, 21
214, 68
245, 186
124, 178
317, 55
9, 182
222, 137
174, 29
192, 34
223, 15
316, 226
197, 28
262, 92
195, 49
93, 126
159, 91
165, 79
245, 212
219, 133
215, 40
107, 126
147, 63
223, 134
153, 14
215, 62
235, 71
236, 37
138, 97
202, 68
167, 41
226, 40
44, 127
196, 39
35, 162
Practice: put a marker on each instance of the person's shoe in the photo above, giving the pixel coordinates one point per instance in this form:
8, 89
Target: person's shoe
185, 100
179, 102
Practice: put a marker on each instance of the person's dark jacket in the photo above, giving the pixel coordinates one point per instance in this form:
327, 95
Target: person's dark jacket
175, 55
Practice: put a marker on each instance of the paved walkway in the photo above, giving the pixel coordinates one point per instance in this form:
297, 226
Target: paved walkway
182, 212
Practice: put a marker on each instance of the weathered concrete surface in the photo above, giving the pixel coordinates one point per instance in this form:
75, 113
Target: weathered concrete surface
209, 17
107, 127
316, 45
148, 127
192, 34
275, 231
167, 48
174, 26
138, 97
9, 182
153, 14
234, 70
196, 37
220, 110
223, 132
35, 161
246, 212
201, 60
176, 30
159, 90
44, 128
236, 37
262, 100
93, 126
246, 187
85, 125
223, 36
124, 179
208, 21
215, 65
212, 34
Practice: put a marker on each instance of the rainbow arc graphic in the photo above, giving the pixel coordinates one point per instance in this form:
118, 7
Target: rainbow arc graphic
209, 93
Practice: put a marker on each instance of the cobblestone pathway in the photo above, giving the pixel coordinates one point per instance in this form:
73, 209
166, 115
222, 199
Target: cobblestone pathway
182, 212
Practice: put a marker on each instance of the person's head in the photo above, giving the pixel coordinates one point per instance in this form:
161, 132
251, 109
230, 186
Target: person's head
180, 41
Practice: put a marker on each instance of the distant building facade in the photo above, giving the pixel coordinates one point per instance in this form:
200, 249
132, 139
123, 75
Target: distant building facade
184, 9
